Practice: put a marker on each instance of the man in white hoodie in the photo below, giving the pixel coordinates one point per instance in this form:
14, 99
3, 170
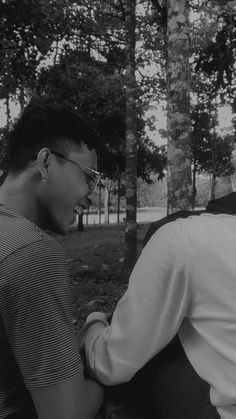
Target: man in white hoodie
184, 282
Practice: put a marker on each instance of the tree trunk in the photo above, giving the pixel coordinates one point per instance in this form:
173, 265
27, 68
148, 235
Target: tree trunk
99, 203
194, 189
3, 145
233, 160
87, 215
221, 185
178, 107
118, 199
106, 204
22, 97
80, 226
8, 113
131, 146
213, 185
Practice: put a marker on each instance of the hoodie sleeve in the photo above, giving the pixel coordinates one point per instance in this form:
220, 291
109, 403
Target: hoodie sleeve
148, 315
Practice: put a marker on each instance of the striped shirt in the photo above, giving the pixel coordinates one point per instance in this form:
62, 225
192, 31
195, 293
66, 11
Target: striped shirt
38, 345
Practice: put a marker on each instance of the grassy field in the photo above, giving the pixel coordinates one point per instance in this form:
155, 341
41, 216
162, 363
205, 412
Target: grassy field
95, 259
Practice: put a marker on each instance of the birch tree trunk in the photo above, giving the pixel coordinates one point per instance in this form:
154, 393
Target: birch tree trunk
178, 107
131, 146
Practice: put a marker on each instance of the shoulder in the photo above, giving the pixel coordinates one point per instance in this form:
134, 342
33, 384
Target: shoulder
174, 241
170, 230
36, 268
171, 220
18, 233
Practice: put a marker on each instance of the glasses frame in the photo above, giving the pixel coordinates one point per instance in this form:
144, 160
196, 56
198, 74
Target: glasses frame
84, 168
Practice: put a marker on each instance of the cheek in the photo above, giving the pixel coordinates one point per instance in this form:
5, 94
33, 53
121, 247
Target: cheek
77, 190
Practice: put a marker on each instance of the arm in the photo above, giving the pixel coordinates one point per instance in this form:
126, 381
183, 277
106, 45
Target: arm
149, 314
37, 317
75, 398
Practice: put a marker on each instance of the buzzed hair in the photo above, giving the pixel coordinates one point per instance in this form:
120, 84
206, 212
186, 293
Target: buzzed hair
46, 125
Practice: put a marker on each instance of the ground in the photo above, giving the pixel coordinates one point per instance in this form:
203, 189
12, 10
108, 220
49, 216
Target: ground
95, 258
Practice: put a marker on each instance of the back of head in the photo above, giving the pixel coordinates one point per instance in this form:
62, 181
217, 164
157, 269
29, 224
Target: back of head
46, 125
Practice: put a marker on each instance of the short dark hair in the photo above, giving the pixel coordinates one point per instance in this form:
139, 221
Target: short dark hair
46, 125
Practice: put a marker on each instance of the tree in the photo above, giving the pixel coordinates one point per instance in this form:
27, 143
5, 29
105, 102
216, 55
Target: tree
3, 153
201, 141
213, 84
30, 33
211, 152
217, 59
131, 138
178, 107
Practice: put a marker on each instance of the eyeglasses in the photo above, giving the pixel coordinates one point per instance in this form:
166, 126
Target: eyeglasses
93, 176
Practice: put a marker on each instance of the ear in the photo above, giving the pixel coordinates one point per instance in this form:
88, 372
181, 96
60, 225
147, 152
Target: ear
43, 160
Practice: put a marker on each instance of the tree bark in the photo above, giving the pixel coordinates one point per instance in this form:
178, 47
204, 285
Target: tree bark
99, 203
131, 145
80, 226
106, 204
8, 113
213, 185
87, 215
118, 199
194, 189
22, 97
178, 107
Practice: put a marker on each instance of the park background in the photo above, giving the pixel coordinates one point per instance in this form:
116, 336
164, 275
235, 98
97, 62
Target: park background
155, 80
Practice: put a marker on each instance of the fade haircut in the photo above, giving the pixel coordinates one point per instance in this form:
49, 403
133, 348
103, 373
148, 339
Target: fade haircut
46, 125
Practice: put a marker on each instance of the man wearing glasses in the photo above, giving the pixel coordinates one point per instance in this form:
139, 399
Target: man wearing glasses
52, 169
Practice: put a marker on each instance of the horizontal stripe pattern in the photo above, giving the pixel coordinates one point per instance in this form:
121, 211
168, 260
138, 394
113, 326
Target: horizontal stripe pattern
38, 345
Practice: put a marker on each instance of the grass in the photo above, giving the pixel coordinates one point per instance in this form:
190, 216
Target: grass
95, 259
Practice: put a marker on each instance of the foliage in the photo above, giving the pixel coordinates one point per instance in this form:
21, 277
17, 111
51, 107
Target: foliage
211, 152
96, 90
75, 51
28, 30
217, 59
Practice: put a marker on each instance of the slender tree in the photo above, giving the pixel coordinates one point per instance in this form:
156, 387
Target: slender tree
131, 139
178, 107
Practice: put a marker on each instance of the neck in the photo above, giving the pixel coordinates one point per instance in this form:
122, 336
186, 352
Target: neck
17, 194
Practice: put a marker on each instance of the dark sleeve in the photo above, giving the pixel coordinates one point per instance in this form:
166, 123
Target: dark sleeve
36, 309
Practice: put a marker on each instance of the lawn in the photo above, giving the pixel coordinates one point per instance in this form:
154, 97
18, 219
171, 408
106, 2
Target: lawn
95, 259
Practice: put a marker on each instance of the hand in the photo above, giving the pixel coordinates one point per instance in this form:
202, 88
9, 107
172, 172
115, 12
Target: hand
93, 318
97, 316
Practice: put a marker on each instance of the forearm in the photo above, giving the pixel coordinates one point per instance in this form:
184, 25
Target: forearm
95, 394
115, 353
